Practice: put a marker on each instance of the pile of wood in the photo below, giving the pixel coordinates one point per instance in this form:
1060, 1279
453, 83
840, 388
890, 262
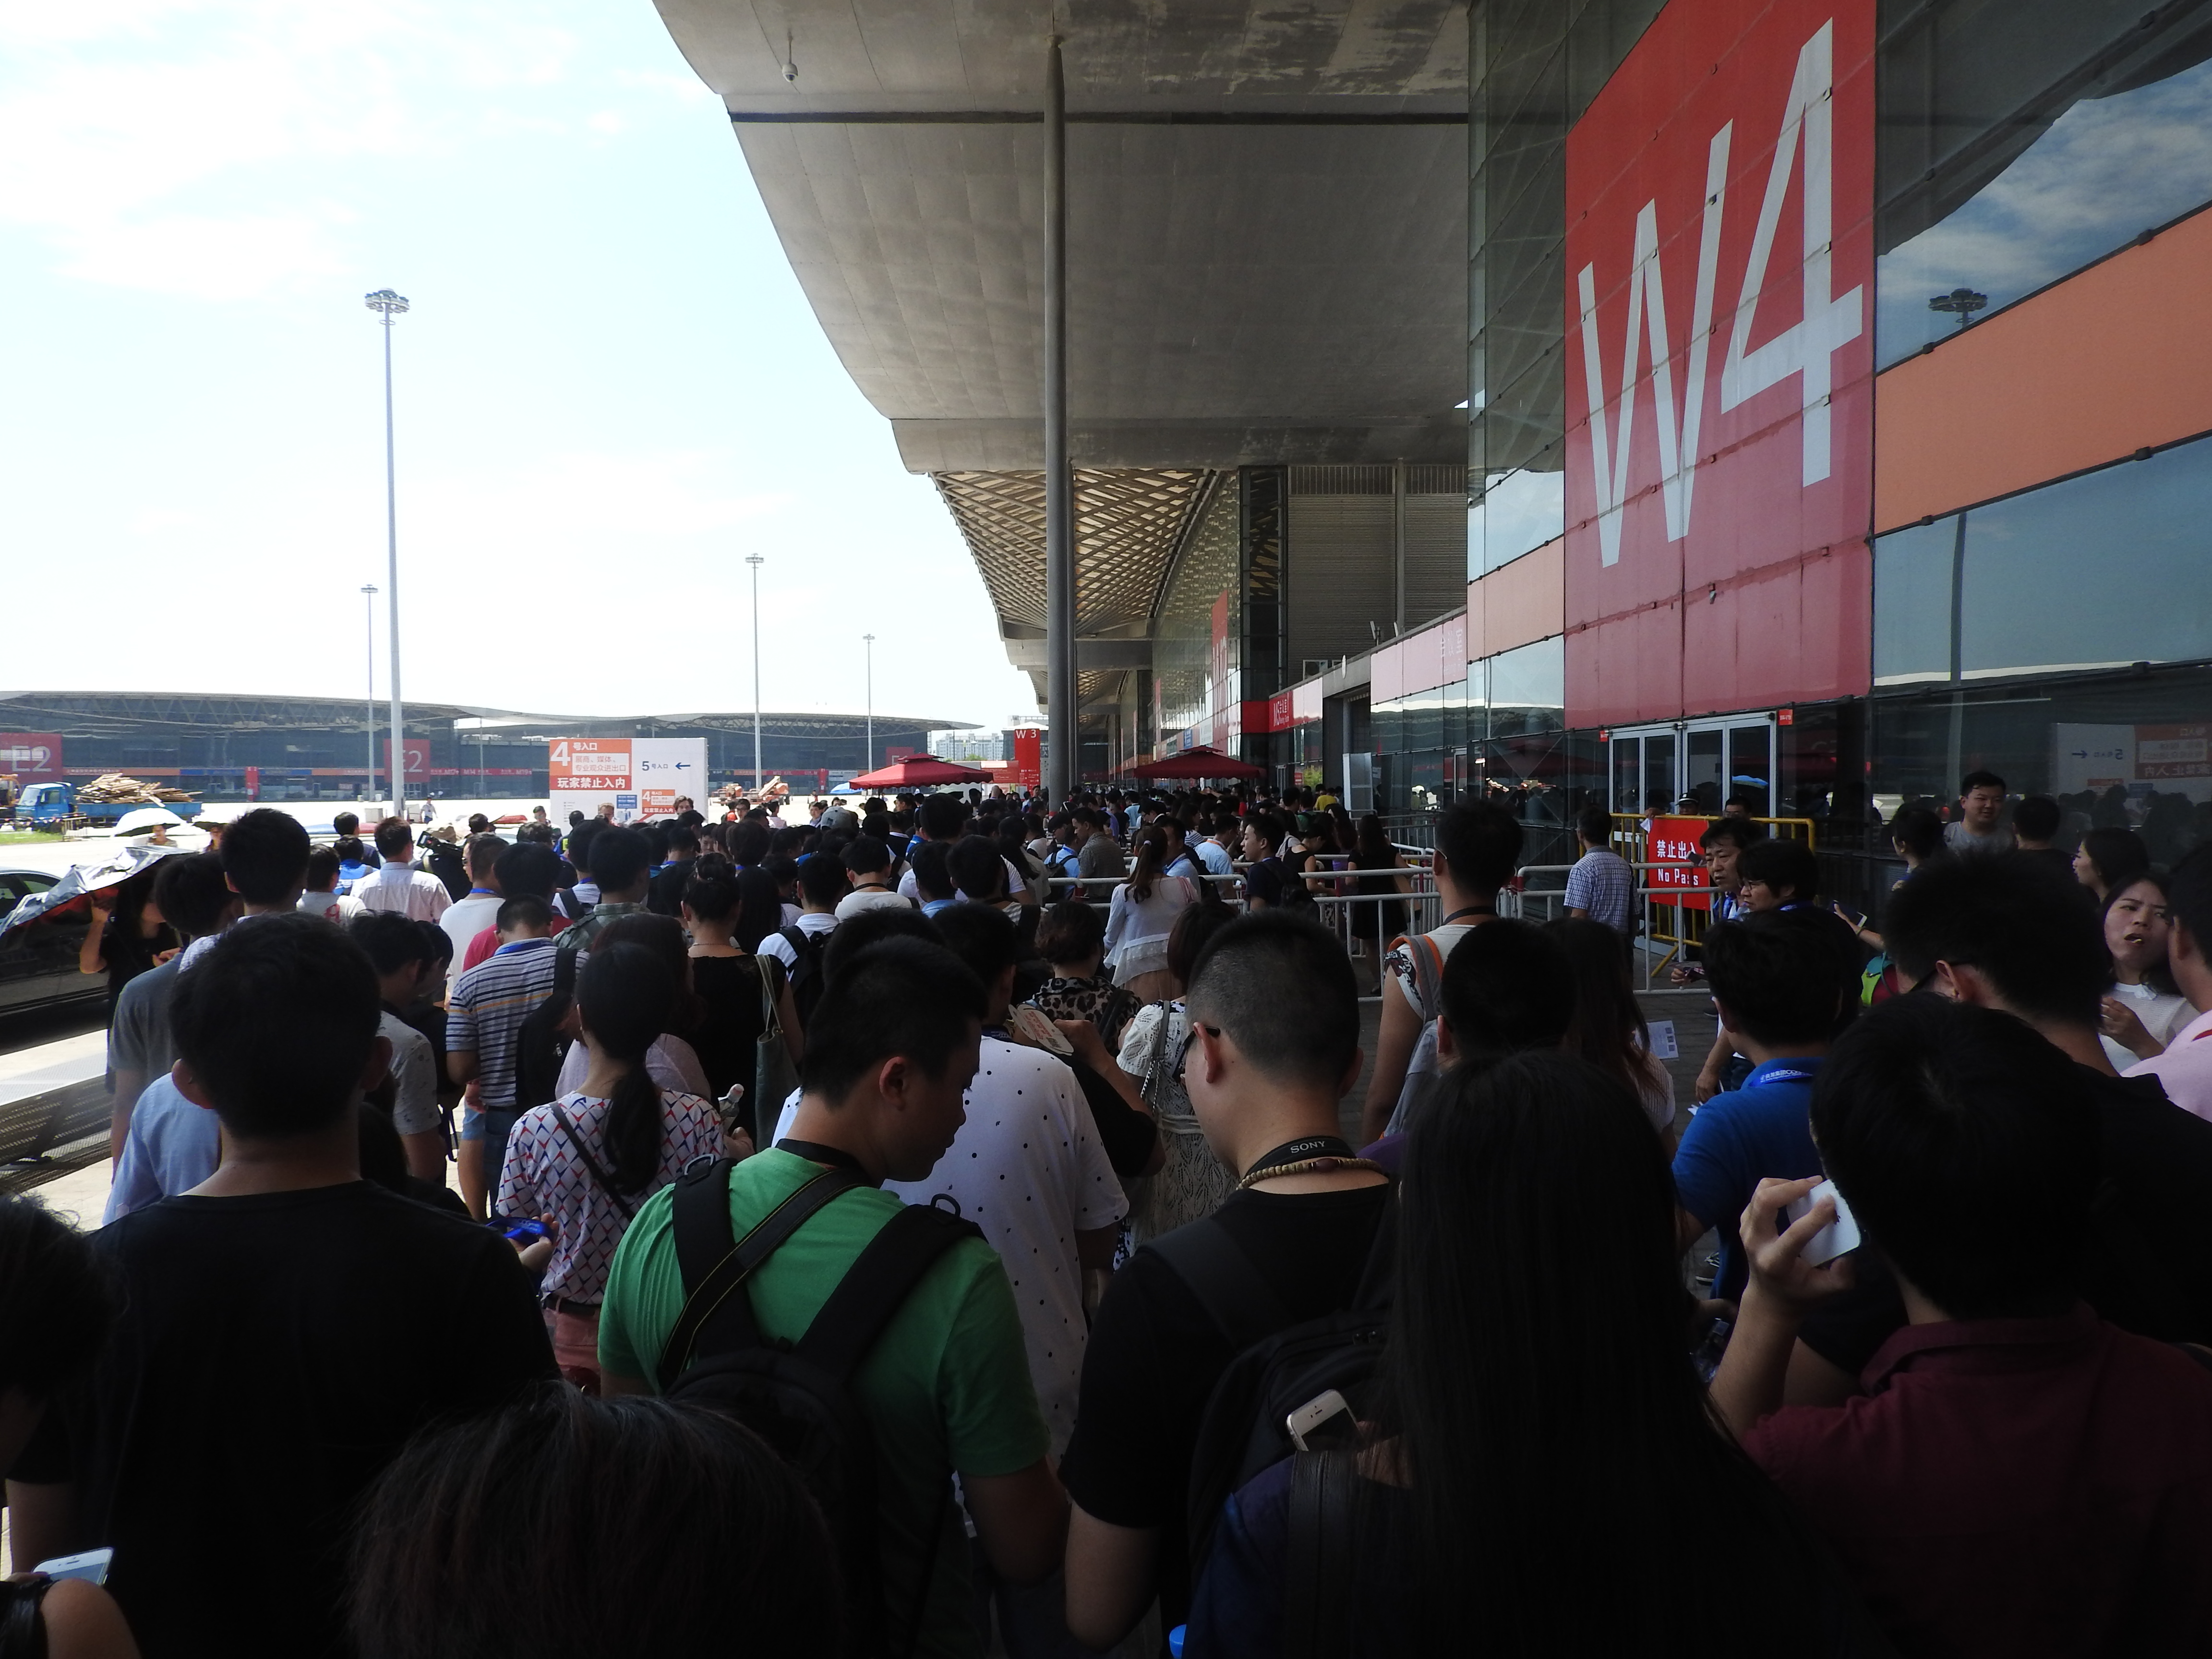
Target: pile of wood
117, 789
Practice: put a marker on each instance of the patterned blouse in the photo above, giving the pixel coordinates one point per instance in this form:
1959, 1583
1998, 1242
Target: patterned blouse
545, 1176
1094, 1000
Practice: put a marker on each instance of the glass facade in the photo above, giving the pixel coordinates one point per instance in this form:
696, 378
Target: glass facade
2061, 636
1534, 66
2019, 140
2098, 571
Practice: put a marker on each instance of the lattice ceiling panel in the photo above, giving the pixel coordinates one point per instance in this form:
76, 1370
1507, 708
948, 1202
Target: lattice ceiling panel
1127, 528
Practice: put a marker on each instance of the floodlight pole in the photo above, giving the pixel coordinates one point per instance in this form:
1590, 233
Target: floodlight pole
368, 591
388, 307
869, 639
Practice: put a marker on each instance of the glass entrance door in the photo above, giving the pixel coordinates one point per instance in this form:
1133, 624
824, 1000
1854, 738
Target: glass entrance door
1695, 768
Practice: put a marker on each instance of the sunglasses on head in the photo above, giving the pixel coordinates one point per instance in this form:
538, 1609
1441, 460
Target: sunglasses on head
1189, 1036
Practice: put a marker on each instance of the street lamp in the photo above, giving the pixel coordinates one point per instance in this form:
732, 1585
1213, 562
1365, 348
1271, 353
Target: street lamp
869, 641
388, 307
757, 561
368, 593
1963, 302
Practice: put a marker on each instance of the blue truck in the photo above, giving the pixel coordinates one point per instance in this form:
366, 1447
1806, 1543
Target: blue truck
57, 804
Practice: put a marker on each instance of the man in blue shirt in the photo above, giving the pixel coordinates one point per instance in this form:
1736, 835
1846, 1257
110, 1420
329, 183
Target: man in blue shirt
1782, 982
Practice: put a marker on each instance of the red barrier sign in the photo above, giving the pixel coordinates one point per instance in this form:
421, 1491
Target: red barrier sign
1677, 839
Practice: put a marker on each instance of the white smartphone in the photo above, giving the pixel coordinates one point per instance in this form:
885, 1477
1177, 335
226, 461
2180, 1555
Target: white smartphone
1309, 1418
91, 1567
1839, 1237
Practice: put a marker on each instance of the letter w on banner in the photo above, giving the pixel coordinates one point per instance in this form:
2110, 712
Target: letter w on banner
1805, 348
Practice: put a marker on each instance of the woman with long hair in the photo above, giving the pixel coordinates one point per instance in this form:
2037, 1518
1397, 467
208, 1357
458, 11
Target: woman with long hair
2108, 856
2144, 1007
735, 985
671, 1062
1191, 1182
584, 1163
1541, 1431
127, 936
1377, 916
1608, 1029
1143, 914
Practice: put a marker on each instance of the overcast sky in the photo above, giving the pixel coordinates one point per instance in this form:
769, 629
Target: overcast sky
610, 388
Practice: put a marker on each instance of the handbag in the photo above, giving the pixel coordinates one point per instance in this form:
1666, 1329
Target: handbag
774, 1076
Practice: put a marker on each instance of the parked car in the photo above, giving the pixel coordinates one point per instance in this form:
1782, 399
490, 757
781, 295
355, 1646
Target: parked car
38, 961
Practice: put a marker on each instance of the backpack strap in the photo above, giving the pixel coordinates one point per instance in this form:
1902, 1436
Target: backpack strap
877, 1284
1213, 1266
1317, 1557
701, 1217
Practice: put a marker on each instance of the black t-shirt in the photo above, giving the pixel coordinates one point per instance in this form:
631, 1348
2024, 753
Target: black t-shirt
2149, 1267
1264, 881
731, 1021
663, 894
129, 953
275, 1354
1155, 1356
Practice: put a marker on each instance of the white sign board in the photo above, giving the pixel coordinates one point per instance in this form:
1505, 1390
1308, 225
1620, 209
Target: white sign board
639, 777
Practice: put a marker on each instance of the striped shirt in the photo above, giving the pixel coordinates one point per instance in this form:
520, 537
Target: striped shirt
1602, 886
485, 1012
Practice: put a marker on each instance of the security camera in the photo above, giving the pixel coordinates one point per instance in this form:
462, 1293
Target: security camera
791, 72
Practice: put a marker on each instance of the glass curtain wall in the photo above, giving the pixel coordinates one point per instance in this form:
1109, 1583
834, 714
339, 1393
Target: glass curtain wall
1534, 66
2020, 140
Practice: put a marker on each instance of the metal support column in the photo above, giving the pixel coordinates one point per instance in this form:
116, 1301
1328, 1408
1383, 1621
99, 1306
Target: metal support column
1062, 767
1398, 536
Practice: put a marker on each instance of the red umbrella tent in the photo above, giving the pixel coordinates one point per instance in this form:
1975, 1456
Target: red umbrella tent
919, 769
1200, 762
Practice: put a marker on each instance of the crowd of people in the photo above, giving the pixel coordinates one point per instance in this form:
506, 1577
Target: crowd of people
957, 1225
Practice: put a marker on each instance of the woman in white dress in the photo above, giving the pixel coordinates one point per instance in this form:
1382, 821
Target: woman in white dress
1142, 916
2144, 1008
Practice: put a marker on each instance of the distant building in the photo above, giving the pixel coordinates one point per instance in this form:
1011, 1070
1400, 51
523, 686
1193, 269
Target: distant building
239, 748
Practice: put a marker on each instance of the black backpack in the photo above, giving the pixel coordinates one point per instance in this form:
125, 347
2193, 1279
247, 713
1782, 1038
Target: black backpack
1279, 1366
798, 1398
539, 1047
806, 971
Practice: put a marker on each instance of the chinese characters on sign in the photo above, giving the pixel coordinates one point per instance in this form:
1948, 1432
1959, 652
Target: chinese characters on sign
1672, 844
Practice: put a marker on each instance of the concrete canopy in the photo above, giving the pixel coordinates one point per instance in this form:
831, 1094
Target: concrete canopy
1267, 254
1267, 218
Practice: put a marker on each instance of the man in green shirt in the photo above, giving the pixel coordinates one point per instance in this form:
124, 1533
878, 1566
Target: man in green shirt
889, 1052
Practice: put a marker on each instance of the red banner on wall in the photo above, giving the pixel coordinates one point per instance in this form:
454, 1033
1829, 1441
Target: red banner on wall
418, 759
32, 757
1720, 365
1028, 757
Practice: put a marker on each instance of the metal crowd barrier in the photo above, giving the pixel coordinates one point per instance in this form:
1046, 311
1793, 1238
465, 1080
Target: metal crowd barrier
1340, 909
1668, 920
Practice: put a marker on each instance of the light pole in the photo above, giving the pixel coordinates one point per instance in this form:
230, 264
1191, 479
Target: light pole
869, 639
368, 593
1960, 303
757, 561
389, 305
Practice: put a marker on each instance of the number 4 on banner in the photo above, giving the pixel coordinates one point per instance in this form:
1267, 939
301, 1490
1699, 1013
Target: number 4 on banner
1806, 347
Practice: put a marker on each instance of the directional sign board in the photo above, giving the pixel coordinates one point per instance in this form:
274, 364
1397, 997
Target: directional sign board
639, 777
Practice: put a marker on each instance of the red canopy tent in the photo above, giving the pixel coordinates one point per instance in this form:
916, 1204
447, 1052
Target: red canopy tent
1199, 762
919, 769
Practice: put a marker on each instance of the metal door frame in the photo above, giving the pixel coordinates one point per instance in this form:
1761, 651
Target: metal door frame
1681, 731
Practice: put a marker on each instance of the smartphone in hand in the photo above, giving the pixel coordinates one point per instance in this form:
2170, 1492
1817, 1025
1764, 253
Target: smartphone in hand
1839, 1237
